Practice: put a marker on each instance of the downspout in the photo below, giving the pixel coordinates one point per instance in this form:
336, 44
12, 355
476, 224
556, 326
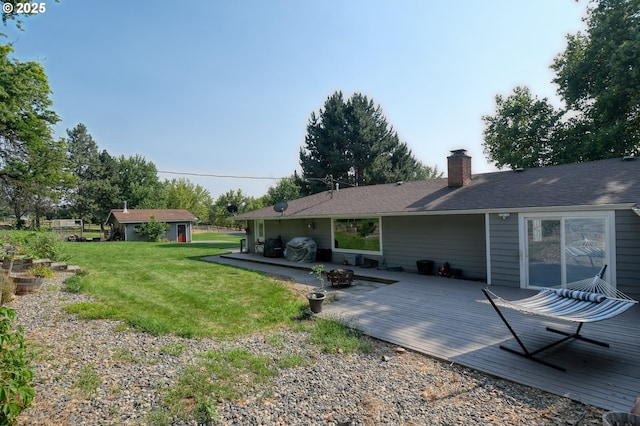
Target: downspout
487, 240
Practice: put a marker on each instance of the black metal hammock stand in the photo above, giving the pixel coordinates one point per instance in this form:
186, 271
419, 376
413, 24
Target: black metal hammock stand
583, 301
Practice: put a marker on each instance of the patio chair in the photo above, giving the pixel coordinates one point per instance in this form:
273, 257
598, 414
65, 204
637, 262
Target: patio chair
583, 301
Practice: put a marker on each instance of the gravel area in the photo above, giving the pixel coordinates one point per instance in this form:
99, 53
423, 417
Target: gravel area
388, 386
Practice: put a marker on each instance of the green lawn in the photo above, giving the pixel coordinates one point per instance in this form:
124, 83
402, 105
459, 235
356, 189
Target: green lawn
166, 288
215, 236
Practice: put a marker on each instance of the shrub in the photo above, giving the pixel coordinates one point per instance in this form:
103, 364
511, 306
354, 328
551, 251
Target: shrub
153, 230
41, 271
7, 289
37, 244
16, 392
47, 245
73, 284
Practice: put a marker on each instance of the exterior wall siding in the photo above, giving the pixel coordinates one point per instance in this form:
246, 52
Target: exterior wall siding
628, 253
171, 234
504, 248
457, 239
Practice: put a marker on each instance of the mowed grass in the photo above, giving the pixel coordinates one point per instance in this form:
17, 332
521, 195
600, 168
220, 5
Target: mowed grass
232, 239
165, 288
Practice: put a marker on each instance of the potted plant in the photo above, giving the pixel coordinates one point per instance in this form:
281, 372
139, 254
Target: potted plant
317, 297
31, 281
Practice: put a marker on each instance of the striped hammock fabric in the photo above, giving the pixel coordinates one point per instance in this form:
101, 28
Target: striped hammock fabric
585, 307
588, 300
584, 301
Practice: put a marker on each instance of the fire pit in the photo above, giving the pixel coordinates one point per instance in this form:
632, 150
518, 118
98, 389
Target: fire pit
340, 277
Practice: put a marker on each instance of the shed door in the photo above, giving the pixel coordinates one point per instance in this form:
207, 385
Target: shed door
182, 233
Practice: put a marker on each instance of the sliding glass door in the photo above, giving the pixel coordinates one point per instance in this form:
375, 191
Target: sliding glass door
544, 244
562, 249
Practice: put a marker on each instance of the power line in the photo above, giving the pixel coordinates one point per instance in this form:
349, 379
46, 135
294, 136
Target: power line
328, 180
219, 176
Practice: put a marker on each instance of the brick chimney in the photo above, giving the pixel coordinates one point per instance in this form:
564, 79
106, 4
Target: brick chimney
459, 168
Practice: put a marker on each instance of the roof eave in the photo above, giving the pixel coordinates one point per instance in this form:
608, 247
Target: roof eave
537, 209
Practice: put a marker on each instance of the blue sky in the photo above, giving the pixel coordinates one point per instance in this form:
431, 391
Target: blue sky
226, 87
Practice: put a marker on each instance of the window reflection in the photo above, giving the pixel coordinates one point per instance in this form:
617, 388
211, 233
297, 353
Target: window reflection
357, 234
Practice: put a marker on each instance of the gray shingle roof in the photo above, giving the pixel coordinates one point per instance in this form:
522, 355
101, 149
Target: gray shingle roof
144, 215
596, 183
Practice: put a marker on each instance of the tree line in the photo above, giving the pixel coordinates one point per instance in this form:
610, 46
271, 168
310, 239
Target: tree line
348, 141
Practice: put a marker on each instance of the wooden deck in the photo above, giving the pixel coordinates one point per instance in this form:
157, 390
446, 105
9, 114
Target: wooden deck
451, 319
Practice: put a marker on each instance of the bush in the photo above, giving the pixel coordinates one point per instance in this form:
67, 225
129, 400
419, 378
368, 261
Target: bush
41, 271
153, 230
73, 284
16, 392
47, 245
37, 244
7, 289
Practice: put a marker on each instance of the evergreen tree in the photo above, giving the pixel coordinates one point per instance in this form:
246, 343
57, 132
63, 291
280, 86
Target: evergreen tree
352, 143
85, 165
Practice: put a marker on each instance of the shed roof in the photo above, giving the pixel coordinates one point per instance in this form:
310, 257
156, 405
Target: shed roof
144, 215
596, 183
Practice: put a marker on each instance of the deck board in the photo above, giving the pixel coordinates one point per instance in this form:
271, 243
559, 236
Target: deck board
460, 327
451, 320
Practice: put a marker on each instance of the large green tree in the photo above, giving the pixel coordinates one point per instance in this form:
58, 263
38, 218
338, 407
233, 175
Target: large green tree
352, 142
32, 164
86, 166
243, 203
183, 194
598, 78
138, 183
522, 132
599, 75
286, 189
97, 178
107, 195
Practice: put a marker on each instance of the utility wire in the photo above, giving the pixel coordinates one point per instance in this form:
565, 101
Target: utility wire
328, 180
219, 176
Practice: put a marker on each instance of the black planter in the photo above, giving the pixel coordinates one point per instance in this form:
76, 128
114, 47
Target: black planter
315, 301
425, 267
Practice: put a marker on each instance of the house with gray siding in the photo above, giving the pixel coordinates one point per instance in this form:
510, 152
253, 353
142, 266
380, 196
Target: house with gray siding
527, 228
125, 224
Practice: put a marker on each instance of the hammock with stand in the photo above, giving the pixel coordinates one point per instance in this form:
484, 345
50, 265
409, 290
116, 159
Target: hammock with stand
589, 300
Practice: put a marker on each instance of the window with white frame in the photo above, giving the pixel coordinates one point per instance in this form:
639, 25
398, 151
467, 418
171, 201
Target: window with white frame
357, 234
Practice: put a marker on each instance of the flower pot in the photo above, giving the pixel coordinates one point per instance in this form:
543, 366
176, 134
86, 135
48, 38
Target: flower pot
315, 301
27, 283
615, 418
18, 264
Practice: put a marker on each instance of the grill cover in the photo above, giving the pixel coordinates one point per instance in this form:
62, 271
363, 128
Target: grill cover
301, 249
